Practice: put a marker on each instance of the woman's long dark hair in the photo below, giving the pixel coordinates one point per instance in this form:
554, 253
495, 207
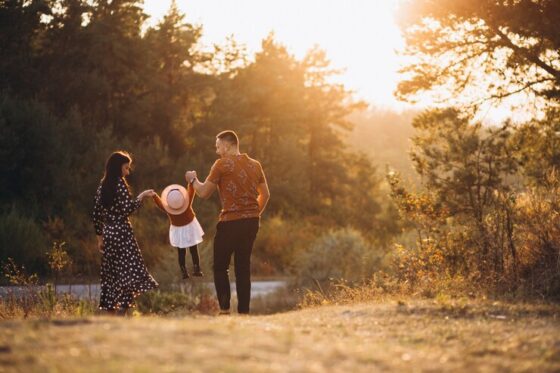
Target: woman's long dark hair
113, 173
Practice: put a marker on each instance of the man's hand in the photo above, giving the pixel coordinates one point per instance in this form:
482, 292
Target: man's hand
203, 190
190, 176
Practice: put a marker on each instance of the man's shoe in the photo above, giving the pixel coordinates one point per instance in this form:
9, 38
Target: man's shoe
196, 271
224, 312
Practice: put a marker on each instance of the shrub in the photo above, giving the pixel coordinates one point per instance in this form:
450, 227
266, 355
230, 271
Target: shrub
537, 241
23, 240
341, 254
279, 241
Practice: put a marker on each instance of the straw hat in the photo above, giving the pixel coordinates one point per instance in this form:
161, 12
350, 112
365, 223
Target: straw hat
175, 199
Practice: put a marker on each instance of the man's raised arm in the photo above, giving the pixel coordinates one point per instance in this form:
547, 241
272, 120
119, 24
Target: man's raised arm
203, 190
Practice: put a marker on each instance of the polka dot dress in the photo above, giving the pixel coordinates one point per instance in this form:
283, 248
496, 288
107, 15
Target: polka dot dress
123, 272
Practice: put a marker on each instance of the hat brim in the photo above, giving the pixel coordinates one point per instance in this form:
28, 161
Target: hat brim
168, 208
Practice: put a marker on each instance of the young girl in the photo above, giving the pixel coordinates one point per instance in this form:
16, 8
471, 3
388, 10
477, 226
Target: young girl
184, 229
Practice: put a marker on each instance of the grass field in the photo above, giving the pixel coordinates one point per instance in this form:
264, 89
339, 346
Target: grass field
419, 336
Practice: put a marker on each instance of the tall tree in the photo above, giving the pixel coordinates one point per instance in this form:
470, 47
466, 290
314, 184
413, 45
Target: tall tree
114, 62
537, 145
20, 28
328, 107
468, 169
176, 96
69, 76
478, 50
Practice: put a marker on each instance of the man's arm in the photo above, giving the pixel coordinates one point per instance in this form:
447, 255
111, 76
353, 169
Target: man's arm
203, 190
264, 196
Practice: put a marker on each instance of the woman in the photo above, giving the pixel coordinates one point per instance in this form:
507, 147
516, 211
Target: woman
123, 272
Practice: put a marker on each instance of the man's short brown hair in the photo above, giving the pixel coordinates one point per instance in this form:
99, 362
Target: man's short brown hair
229, 136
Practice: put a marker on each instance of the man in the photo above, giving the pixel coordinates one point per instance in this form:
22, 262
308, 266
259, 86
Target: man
244, 194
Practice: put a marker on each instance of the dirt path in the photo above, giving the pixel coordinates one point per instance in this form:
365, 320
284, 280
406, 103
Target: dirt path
419, 336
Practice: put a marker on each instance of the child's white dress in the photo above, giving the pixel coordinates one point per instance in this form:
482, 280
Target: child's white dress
186, 235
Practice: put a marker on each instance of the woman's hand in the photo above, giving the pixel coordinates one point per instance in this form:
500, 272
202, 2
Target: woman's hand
100, 244
146, 193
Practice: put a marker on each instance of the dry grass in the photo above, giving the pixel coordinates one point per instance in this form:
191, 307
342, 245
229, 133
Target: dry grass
392, 336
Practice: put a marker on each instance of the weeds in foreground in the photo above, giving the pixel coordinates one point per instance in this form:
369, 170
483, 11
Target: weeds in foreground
382, 288
188, 299
58, 260
44, 303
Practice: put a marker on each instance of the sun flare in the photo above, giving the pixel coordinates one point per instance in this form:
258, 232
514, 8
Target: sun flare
360, 37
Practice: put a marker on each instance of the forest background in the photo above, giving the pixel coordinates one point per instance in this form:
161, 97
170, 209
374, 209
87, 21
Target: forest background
413, 201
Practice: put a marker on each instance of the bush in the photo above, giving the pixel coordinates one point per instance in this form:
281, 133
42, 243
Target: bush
341, 254
279, 241
23, 240
537, 242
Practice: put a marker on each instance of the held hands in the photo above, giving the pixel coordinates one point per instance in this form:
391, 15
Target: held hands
190, 176
146, 193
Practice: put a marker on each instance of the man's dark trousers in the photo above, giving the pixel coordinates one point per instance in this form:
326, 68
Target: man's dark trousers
234, 237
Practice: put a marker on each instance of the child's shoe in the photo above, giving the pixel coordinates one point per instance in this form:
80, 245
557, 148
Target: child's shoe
185, 273
196, 271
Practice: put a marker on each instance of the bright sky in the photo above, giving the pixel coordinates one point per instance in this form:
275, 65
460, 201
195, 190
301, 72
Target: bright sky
359, 36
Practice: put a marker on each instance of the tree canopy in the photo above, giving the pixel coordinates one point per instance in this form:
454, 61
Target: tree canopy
471, 51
